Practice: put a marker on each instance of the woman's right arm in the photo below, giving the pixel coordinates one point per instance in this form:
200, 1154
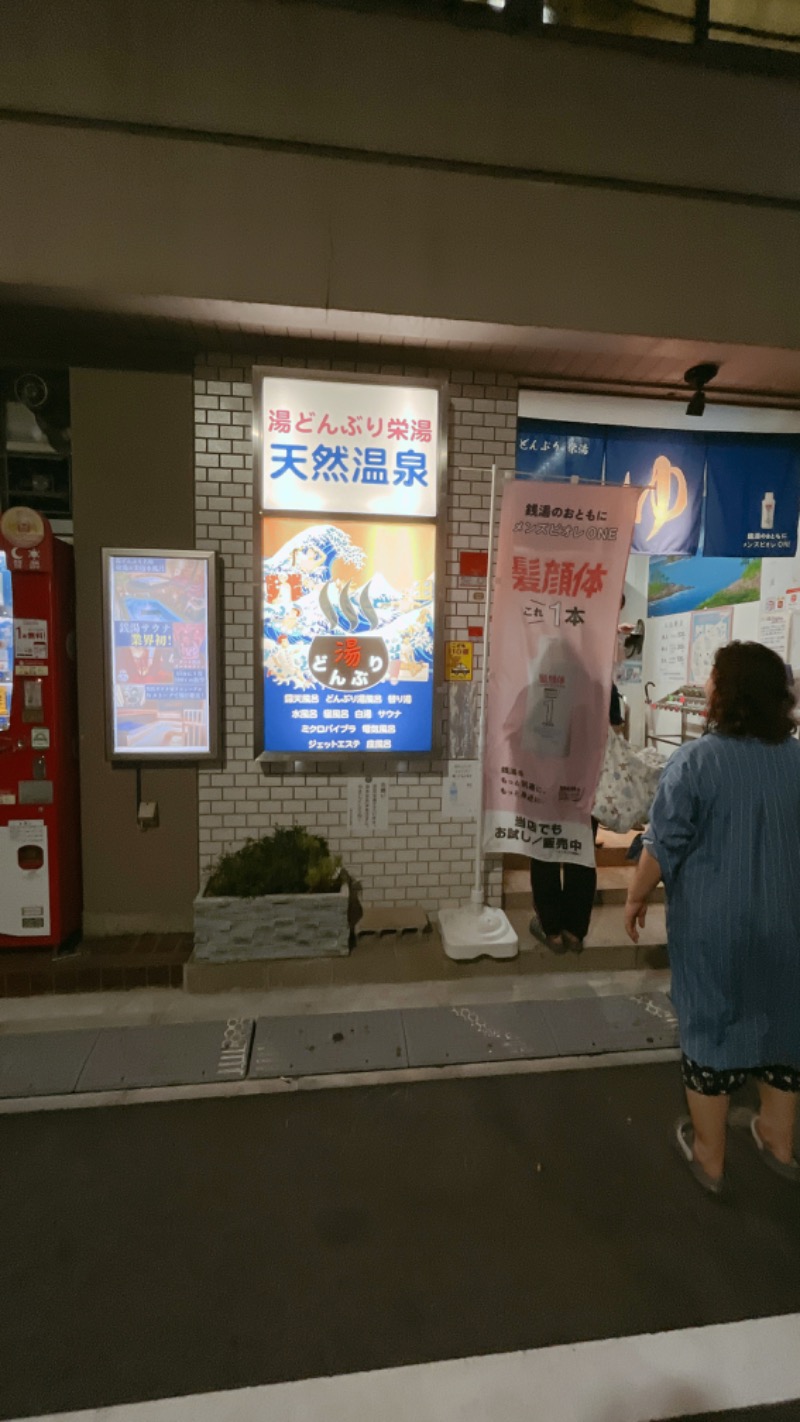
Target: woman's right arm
673, 828
645, 880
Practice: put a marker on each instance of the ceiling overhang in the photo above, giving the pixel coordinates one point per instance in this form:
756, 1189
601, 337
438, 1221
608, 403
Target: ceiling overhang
84, 328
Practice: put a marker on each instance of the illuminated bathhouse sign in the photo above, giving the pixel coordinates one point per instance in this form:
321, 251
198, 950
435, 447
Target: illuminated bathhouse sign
349, 644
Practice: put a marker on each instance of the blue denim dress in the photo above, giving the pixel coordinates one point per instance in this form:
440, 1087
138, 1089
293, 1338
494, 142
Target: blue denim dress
725, 828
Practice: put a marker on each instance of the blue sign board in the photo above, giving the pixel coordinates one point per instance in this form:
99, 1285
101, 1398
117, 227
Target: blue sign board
753, 499
553, 450
669, 466
391, 719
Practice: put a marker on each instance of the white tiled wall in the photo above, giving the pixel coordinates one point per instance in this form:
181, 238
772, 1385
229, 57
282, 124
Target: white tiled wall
425, 860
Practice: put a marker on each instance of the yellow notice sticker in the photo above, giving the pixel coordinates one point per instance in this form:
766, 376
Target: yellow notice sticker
458, 661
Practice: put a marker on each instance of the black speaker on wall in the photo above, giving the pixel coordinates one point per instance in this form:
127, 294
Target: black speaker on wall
36, 441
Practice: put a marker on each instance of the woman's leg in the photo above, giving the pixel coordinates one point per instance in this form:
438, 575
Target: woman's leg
580, 888
580, 891
708, 1093
709, 1120
778, 1114
547, 897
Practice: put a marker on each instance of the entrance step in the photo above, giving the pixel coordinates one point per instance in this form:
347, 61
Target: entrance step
607, 948
420, 959
612, 848
612, 887
613, 883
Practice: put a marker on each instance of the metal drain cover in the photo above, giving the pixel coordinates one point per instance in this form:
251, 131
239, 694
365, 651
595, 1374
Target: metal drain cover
445, 1036
178, 1054
43, 1063
319, 1045
588, 1025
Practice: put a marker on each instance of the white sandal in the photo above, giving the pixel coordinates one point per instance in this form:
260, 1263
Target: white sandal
684, 1140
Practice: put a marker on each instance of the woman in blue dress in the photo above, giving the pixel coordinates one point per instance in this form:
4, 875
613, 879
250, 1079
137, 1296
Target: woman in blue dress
725, 837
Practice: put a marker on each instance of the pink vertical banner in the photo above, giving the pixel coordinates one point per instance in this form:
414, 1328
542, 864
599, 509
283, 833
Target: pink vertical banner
561, 563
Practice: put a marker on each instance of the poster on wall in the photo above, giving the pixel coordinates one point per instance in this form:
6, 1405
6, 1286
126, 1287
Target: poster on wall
558, 588
780, 604
461, 790
753, 501
780, 584
349, 647
773, 632
553, 450
672, 652
160, 655
710, 631
367, 808
669, 468
685, 584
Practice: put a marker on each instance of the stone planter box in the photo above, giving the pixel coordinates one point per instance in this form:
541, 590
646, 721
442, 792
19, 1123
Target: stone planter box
275, 926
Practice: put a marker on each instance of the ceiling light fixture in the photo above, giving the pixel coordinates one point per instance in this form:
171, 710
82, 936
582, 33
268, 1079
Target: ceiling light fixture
697, 378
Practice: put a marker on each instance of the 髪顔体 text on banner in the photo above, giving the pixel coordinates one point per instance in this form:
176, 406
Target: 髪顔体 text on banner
562, 557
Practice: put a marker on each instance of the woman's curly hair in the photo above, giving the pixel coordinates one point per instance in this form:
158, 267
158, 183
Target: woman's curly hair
751, 694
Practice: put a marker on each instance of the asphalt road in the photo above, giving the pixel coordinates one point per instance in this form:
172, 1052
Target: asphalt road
159, 1250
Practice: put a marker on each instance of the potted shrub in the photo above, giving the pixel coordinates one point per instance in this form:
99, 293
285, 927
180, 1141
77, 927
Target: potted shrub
282, 896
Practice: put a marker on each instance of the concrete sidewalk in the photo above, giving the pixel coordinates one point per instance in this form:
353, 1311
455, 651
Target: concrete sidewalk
101, 1053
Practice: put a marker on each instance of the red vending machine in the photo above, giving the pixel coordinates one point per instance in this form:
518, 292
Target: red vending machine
40, 867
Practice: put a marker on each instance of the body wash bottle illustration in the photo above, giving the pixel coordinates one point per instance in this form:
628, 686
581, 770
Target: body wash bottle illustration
768, 511
553, 687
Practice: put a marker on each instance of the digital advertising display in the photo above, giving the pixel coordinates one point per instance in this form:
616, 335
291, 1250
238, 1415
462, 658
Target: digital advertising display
160, 642
349, 644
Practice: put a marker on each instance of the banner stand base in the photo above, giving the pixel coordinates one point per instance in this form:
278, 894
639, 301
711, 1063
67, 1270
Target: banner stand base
476, 931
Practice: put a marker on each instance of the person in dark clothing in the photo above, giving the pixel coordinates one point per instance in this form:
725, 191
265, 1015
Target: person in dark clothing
564, 894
